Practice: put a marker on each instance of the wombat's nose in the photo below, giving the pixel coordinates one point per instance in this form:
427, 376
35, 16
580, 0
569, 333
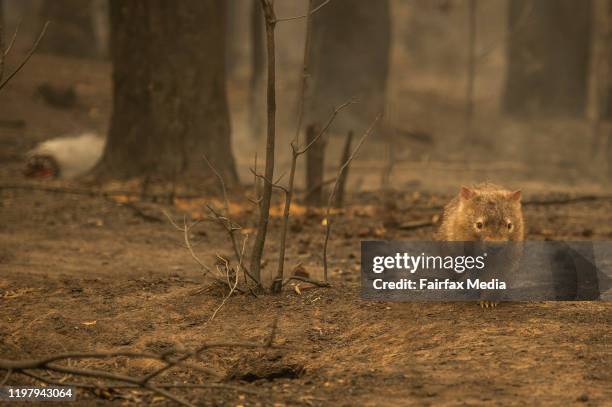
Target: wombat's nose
493, 245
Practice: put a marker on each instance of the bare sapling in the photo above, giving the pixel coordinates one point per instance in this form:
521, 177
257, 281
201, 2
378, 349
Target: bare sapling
328, 219
266, 196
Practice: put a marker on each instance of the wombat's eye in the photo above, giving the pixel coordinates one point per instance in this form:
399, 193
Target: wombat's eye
509, 225
479, 225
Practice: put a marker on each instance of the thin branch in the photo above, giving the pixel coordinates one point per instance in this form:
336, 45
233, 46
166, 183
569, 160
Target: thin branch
222, 182
13, 38
27, 58
232, 288
277, 284
185, 229
310, 13
328, 220
327, 126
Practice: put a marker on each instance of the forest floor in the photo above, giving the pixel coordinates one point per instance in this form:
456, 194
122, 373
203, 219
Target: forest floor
89, 274
81, 273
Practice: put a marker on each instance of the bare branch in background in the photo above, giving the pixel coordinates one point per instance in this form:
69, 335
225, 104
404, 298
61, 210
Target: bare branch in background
27, 57
12, 42
296, 152
311, 11
328, 220
222, 184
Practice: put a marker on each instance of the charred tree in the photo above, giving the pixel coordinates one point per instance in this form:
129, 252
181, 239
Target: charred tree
169, 102
315, 165
348, 59
258, 66
548, 58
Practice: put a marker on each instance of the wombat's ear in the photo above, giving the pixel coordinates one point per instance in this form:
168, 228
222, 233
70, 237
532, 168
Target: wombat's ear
516, 195
466, 193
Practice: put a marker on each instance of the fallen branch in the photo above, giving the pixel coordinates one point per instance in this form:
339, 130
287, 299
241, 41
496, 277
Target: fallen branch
118, 380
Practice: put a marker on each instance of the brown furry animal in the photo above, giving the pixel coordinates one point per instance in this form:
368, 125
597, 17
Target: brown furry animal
484, 212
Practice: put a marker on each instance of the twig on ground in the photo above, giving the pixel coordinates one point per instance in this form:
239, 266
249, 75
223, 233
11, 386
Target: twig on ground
186, 229
232, 287
118, 380
306, 280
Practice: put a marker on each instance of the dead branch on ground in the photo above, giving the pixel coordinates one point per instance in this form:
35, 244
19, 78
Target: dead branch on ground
328, 220
113, 380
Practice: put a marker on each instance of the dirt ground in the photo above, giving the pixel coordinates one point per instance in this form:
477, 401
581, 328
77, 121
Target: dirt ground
88, 274
81, 273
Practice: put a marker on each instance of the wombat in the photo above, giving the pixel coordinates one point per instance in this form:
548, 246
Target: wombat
488, 213
483, 212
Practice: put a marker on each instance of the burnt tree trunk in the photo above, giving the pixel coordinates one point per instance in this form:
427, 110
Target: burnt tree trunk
258, 67
315, 166
169, 101
548, 58
348, 59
